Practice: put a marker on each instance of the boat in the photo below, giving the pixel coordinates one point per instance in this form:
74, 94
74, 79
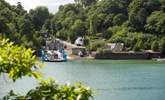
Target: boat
160, 59
53, 56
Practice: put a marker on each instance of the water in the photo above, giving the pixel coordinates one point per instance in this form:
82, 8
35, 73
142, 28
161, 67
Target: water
109, 79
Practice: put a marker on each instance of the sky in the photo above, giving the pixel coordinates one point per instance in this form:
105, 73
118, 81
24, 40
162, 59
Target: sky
31, 4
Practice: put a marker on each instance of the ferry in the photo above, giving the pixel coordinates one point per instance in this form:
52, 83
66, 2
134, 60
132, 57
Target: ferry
53, 56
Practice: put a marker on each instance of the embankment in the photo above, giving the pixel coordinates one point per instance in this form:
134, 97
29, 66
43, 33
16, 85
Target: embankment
127, 55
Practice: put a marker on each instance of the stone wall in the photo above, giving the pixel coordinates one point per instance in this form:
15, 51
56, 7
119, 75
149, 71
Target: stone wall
127, 55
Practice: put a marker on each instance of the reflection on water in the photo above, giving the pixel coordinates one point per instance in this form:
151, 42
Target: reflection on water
110, 80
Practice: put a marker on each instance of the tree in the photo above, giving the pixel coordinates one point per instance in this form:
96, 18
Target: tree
17, 61
79, 28
139, 10
3, 26
138, 46
156, 23
92, 25
107, 34
85, 2
155, 46
47, 27
119, 19
26, 26
162, 50
39, 16
19, 9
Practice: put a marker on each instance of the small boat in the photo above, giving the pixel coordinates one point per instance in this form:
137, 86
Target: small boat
160, 59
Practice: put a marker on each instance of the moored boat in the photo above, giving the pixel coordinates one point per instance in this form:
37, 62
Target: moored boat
53, 56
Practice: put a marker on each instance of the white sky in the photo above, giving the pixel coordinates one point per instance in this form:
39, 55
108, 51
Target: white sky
31, 4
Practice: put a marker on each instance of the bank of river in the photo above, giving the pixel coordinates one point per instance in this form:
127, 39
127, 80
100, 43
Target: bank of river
110, 79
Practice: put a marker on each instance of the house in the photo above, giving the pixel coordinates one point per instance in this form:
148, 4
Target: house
79, 41
115, 47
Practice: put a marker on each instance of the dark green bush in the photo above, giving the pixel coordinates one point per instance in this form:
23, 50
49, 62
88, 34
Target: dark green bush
155, 46
138, 46
104, 51
97, 44
162, 50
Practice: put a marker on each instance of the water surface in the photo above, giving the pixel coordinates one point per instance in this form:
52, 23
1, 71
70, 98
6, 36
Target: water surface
110, 79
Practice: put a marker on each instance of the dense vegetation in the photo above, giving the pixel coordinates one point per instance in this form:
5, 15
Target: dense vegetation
51, 90
17, 62
22, 27
139, 24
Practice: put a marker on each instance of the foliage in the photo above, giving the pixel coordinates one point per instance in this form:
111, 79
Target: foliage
156, 22
107, 34
78, 29
138, 46
104, 51
163, 46
96, 44
85, 2
155, 46
39, 15
119, 19
18, 25
51, 90
17, 61
139, 10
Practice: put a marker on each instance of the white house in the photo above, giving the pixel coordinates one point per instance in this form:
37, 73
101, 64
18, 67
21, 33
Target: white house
79, 41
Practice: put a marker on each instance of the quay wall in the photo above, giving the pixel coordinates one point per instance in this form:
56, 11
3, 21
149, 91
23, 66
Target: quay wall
127, 55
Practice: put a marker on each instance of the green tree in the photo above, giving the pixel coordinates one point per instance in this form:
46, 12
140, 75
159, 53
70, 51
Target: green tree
26, 26
39, 16
155, 46
138, 46
48, 27
162, 50
92, 25
85, 2
19, 9
139, 10
3, 26
119, 19
17, 61
156, 23
79, 28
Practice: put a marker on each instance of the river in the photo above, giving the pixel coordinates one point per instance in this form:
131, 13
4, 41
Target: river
109, 79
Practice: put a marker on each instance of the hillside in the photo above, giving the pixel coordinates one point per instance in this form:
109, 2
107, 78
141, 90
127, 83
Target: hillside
139, 24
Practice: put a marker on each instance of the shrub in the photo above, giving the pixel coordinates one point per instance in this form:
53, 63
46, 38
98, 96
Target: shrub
51, 90
104, 51
162, 50
97, 44
138, 46
107, 34
17, 61
155, 46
